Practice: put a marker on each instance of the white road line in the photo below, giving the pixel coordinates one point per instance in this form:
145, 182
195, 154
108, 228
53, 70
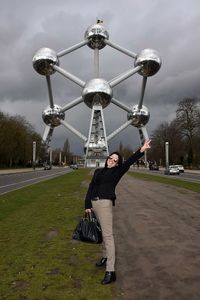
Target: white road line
36, 178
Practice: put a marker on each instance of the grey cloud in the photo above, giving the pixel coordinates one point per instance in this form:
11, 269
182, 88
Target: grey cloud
172, 28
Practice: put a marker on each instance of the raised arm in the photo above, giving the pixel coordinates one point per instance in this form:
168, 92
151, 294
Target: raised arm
133, 158
145, 146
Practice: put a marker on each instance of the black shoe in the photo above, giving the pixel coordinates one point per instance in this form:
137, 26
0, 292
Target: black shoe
102, 262
109, 277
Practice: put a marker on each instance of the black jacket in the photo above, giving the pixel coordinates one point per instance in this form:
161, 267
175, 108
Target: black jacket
104, 180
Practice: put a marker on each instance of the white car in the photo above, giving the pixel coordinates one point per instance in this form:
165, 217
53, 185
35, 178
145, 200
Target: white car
74, 166
181, 168
172, 170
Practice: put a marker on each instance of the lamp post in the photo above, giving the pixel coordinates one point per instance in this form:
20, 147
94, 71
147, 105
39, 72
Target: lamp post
166, 155
34, 154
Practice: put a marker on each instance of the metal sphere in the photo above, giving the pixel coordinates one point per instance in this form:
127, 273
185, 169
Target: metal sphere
97, 147
97, 91
52, 116
43, 61
139, 117
150, 61
96, 35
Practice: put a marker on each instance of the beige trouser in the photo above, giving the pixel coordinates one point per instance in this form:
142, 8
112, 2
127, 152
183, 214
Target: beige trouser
103, 212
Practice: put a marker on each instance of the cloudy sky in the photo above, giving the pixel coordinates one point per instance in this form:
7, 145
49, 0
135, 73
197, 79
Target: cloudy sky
171, 27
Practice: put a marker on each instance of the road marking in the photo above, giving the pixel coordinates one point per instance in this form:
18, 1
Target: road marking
36, 178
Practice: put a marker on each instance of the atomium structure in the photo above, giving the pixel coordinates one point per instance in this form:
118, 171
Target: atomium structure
97, 93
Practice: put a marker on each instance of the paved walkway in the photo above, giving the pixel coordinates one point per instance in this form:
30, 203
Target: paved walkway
157, 234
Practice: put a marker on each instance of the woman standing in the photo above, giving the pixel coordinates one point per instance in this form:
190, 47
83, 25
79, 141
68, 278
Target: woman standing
101, 197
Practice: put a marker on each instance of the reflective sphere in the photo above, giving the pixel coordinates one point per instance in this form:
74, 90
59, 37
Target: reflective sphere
96, 34
52, 116
150, 61
43, 61
139, 117
97, 147
97, 91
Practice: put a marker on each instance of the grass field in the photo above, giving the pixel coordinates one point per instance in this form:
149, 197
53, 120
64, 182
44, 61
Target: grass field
39, 259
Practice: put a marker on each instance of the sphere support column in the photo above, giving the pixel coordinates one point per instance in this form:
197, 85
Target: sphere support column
96, 146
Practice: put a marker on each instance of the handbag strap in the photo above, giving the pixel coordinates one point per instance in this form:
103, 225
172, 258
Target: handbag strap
90, 216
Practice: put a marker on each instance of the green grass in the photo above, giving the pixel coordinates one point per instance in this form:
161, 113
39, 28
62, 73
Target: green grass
195, 187
39, 259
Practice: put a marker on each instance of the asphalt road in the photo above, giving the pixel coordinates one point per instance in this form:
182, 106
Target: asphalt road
13, 181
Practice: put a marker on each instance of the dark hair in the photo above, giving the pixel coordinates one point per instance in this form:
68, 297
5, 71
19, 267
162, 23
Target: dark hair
119, 158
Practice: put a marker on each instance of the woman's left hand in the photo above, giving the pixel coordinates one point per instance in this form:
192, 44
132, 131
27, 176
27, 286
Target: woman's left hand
146, 146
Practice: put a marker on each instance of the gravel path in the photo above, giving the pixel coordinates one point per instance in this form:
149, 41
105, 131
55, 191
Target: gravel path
157, 235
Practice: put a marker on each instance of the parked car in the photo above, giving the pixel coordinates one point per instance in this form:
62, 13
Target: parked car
74, 166
153, 167
172, 170
181, 168
47, 167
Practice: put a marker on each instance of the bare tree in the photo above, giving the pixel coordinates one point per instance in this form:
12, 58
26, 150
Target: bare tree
187, 119
56, 156
66, 151
167, 132
159, 137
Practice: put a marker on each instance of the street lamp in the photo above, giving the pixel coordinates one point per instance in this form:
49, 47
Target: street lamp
34, 155
167, 155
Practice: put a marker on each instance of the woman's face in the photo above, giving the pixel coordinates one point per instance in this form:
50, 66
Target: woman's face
112, 161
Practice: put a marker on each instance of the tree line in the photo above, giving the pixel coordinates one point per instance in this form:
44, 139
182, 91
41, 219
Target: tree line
16, 144
182, 133
16, 140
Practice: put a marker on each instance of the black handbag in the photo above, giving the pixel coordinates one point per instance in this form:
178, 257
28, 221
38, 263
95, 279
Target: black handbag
88, 229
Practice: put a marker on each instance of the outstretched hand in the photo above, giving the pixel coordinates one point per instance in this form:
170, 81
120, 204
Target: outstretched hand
146, 146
